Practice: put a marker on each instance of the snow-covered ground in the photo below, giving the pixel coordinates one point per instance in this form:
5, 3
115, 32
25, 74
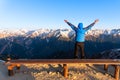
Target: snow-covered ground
54, 72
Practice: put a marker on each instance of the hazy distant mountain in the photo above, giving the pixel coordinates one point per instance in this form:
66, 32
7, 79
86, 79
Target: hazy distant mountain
48, 43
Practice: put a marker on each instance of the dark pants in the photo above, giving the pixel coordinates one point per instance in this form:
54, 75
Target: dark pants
79, 47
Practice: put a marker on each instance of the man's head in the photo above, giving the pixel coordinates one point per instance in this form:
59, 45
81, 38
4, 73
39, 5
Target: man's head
80, 25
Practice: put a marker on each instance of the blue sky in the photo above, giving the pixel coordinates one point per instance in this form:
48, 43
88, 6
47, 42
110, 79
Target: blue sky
36, 14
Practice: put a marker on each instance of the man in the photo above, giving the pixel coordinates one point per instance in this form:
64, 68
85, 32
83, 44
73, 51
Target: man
80, 37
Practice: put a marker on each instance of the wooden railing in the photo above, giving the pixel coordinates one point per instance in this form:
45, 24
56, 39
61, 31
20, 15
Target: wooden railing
106, 62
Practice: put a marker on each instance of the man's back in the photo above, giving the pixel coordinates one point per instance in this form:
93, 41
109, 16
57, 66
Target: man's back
80, 35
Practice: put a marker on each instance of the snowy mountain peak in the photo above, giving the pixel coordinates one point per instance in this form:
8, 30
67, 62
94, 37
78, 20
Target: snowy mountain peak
67, 33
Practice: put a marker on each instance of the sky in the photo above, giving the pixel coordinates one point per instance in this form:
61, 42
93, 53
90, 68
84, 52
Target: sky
50, 14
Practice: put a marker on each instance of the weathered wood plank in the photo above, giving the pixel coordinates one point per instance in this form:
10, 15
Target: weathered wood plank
67, 61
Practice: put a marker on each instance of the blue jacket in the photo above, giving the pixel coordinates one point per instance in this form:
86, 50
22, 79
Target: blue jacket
80, 31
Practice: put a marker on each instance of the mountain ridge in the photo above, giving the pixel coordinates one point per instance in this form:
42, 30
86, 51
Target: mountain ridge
48, 43
65, 32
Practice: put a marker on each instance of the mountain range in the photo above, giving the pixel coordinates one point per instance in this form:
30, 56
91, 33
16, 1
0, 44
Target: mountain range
59, 43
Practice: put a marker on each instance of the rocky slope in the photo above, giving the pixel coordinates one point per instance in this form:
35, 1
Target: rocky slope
110, 54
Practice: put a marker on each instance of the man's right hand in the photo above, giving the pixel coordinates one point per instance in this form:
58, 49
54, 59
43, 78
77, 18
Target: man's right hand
65, 20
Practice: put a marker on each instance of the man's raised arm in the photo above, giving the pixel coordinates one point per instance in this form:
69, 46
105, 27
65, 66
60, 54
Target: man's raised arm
92, 24
71, 25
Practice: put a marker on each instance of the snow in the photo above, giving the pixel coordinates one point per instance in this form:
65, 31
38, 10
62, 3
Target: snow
44, 33
65, 33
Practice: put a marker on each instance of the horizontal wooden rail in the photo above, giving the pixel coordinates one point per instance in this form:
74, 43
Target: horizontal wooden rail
67, 61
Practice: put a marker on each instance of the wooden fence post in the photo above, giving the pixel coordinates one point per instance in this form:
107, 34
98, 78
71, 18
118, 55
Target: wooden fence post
18, 66
10, 70
106, 67
116, 72
65, 71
